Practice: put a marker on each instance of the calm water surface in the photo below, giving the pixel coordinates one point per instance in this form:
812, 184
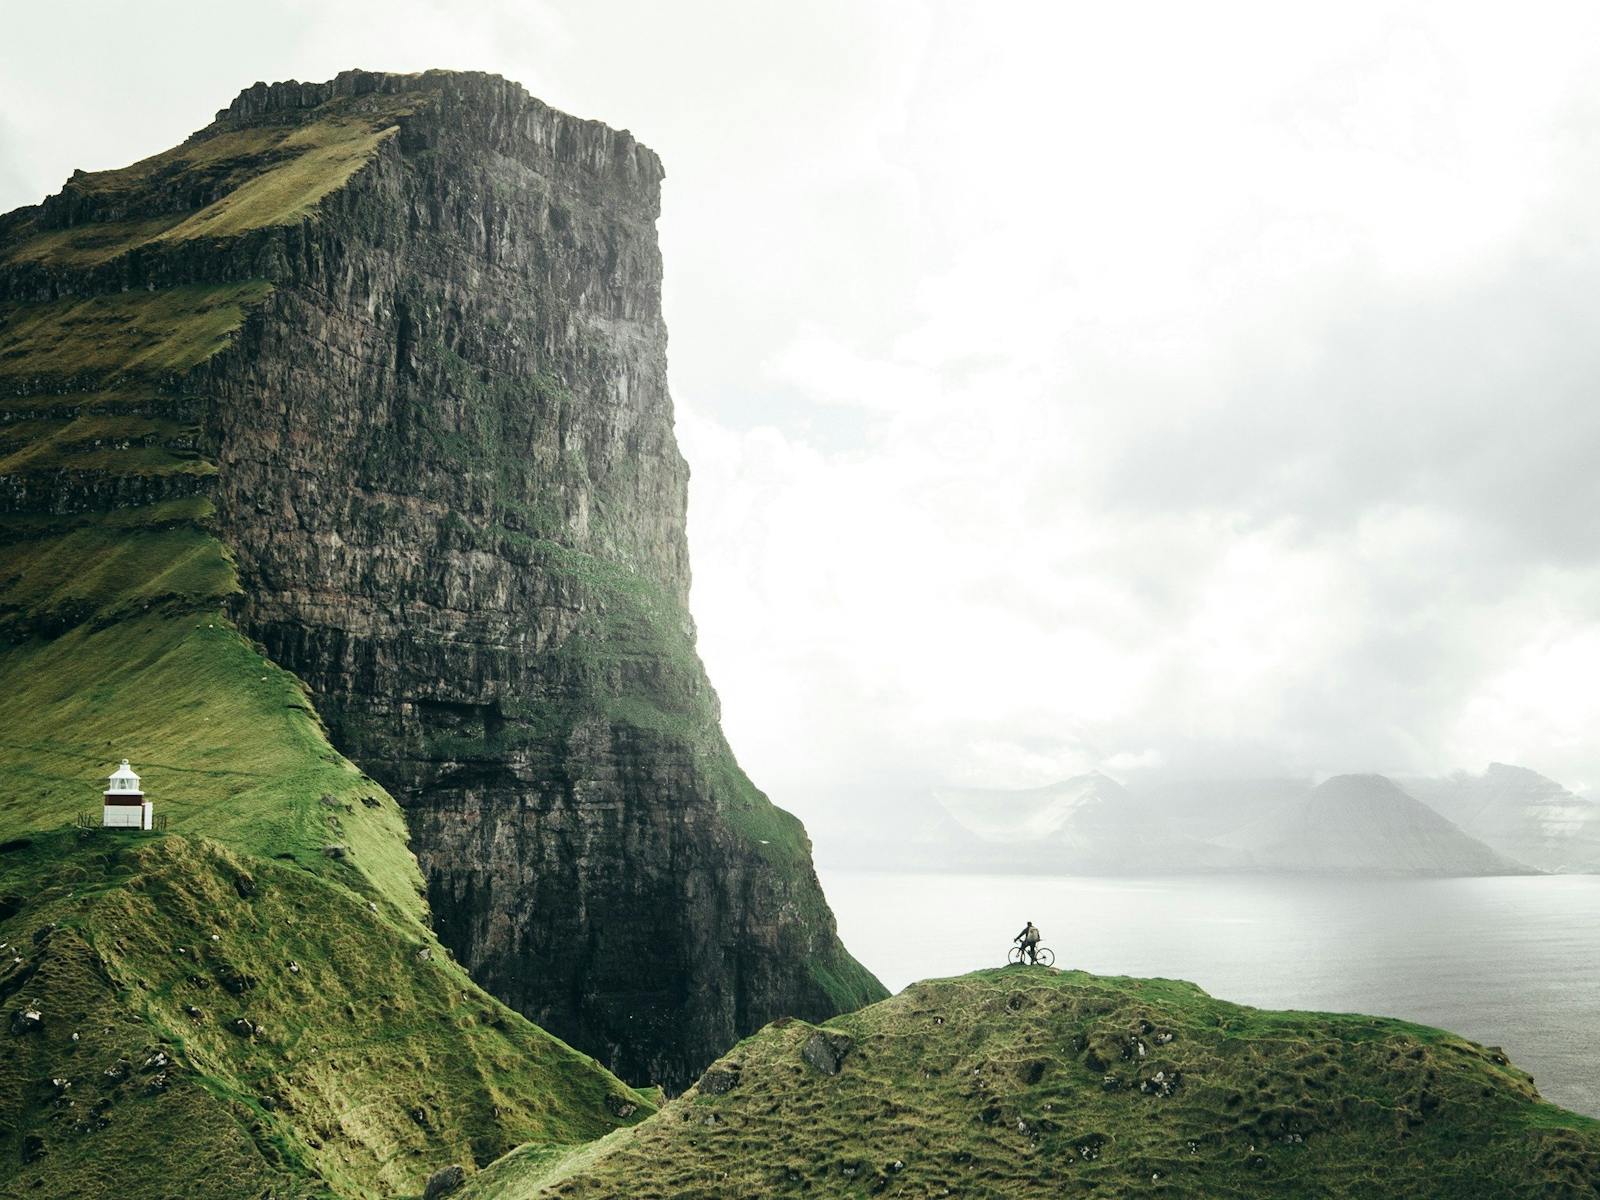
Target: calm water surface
1512, 962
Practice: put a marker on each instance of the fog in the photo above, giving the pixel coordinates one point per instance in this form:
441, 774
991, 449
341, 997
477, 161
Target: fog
1160, 389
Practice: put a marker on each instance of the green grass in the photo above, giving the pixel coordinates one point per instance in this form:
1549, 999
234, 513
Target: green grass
376, 1061
227, 744
148, 669
1025, 1082
127, 396
320, 159
100, 441
266, 173
144, 332
92, 244
185, 512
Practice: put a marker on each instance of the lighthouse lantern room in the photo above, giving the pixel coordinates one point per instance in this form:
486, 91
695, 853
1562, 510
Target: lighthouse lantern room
126, 807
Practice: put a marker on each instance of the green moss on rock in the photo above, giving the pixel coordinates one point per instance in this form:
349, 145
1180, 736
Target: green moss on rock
1025, 1082
150, 333
220, 1024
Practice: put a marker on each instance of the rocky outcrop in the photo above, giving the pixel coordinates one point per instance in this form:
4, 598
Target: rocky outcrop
445, 468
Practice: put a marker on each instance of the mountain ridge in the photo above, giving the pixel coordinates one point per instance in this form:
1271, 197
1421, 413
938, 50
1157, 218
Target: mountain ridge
360, 395
1521, 813
1091, 824
1366, 823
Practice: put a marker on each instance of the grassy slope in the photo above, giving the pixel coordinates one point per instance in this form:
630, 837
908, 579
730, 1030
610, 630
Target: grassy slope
146, 332
112, 642
1026, 1082
376, 1060
148, 669
375, 1064
264, 174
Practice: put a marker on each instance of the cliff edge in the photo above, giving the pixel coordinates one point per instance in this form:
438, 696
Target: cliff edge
375, 370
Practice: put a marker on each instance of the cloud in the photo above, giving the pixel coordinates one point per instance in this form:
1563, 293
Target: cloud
1235, 421
1165, 388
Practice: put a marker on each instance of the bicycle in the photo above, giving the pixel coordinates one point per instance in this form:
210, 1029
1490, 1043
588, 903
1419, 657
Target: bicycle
1046, 956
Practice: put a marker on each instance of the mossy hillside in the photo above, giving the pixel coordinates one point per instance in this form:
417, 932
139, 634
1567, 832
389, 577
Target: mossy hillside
106, 393
145, 333
369, 1058
1027, 1082
100, 441
97, 419
112, 643
257, 174
226, 742
146, 667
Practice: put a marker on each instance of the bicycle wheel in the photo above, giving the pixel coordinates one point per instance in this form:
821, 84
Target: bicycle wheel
1015, 956
1047, 956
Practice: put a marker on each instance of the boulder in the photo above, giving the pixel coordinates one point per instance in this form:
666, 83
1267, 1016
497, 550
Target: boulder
826, 1051
444, 1181
620, 1106
235, 980
721, 1080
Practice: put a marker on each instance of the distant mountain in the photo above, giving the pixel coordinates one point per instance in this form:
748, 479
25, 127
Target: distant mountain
1093, 825
1520, 813
1364, 823
1209, 808
1087, 824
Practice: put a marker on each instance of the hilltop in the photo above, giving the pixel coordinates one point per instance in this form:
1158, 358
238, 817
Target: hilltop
1024, 1082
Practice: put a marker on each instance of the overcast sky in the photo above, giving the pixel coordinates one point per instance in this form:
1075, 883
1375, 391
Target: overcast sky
1204, 388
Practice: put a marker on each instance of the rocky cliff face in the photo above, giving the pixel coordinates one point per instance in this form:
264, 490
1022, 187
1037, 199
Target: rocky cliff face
397, 343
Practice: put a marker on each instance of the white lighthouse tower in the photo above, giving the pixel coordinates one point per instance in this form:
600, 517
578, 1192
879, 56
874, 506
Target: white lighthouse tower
126, 807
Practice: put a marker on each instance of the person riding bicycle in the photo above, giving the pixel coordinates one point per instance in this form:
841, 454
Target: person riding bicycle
1028, 939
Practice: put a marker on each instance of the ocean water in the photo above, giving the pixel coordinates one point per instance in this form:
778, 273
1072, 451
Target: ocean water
1512, 962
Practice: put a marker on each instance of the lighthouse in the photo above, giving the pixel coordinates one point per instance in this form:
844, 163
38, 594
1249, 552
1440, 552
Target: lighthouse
126, 807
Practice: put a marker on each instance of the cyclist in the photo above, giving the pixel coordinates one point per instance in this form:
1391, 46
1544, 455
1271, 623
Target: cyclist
1028, 939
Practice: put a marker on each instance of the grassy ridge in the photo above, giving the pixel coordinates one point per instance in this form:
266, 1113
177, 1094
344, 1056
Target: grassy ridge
262, 174
1024, 1082
369, 1058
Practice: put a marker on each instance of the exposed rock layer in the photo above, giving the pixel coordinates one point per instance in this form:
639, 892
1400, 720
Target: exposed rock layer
441, 451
